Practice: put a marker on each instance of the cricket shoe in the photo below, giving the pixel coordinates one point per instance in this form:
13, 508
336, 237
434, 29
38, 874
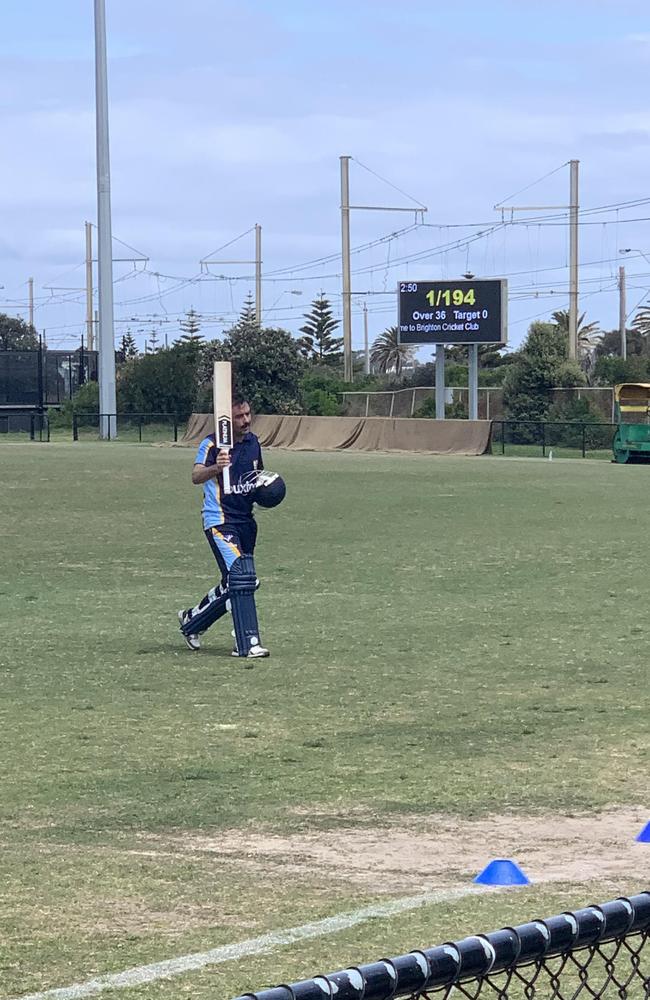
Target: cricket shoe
255, 652
192, 642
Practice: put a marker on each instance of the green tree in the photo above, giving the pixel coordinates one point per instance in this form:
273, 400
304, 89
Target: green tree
247, 317
320, 390
489, 355
161, 382
613, 370
191, 327
266, 368
16, 334
317, 342
540, 365
609, 344
128, 348
589, 335
387, 354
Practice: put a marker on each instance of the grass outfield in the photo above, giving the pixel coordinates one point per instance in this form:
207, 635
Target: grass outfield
464, 637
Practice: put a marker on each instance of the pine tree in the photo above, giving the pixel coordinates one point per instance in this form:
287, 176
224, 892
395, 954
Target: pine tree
128, 348
247, 317
318, 344
190, 326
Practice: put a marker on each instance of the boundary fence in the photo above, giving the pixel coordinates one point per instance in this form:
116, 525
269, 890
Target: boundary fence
524, 438
137, 427
596, 953
23, 421
126, 425
407, 402
530, 437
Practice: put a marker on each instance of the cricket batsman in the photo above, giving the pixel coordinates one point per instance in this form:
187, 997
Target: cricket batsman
231, 531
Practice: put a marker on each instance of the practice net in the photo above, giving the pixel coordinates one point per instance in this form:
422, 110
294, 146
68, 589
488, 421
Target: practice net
596, 953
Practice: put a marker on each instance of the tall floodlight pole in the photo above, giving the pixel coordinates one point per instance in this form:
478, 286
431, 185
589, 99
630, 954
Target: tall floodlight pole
107, 400
258, 274
90, 340
621, 312
573, 260
366, 349
347, 281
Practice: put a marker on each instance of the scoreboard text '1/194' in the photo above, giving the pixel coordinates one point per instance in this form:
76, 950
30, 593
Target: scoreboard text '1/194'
436, 312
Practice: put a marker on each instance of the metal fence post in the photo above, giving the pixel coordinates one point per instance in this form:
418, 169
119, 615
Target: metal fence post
140, 427
175, 428
75, 428
503, 437
543, 439
584, 439
32, 427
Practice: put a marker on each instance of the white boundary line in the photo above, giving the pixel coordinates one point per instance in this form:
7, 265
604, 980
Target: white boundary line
253, 946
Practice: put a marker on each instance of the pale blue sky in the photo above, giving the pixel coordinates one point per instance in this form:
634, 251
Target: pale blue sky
223, 115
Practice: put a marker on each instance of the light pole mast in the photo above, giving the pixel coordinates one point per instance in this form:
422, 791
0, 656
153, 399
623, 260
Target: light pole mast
90, 340
107, 399
258, 274
573, 260
345, 255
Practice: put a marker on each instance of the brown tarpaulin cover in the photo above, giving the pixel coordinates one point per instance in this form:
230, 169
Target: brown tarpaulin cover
436, 437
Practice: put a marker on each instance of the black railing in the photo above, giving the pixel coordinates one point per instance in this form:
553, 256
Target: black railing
597, 953
29, 424
525, 437
128, 426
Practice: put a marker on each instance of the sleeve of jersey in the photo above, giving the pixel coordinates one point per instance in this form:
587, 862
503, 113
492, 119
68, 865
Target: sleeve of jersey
203, 453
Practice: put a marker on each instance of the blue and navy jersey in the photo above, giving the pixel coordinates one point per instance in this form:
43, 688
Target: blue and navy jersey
237, 506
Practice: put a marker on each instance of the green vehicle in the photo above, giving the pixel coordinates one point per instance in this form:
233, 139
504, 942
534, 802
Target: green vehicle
632, 410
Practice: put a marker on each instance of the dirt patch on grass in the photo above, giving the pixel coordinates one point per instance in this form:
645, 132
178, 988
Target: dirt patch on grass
441, 850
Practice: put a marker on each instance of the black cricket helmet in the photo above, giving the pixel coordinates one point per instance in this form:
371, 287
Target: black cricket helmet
270, 490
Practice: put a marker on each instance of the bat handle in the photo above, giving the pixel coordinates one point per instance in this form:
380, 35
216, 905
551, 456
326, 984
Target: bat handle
226, 480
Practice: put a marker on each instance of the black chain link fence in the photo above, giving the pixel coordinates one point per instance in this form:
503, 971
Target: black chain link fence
44, 378
598, 953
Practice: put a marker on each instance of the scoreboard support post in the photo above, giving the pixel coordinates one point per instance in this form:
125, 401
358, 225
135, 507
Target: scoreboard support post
472, 380
440, 381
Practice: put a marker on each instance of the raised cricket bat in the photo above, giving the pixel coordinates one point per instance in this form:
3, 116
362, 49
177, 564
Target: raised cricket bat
222, 395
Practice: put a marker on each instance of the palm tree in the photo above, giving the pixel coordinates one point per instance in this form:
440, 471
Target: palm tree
588, 335
388, 354
641, 321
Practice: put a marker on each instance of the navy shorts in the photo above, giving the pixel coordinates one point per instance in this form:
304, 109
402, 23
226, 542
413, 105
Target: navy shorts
229, 541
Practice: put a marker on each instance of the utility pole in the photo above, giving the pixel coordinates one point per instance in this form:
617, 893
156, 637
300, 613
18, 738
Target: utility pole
205, 263
90, 340
30, 282
574, 209
622, 311
573, 260
345, 256
258, 274
347, 281
366, 356
107, 397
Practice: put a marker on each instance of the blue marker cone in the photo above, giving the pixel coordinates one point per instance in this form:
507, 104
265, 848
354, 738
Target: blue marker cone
502, 871
644, 836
